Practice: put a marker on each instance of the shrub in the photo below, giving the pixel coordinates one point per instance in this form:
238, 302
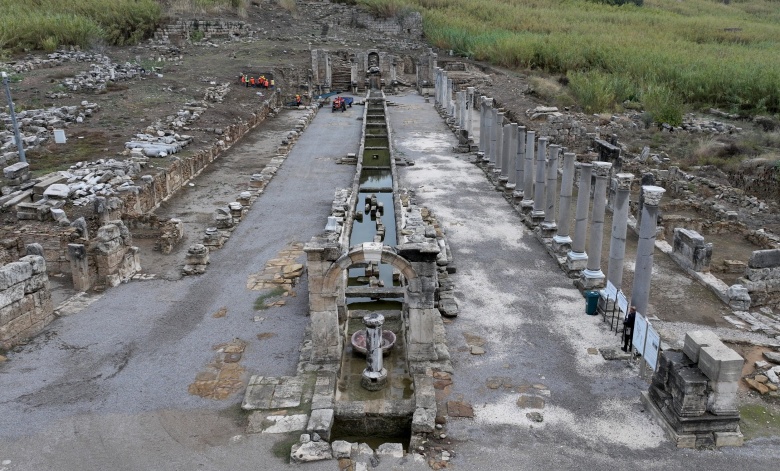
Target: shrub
663, 104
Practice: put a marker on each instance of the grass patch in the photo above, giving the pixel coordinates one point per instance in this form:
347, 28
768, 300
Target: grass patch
698, 52
758, 421
49, 24
262, 301
53, 157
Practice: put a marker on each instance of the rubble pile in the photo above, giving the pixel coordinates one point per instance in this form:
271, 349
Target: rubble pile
55, 59
101, 73
216, 93
162, 138
37, 126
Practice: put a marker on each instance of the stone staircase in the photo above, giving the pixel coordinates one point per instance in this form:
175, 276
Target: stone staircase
341, 74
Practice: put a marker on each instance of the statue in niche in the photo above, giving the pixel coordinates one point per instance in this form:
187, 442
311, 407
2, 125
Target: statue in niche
373, 63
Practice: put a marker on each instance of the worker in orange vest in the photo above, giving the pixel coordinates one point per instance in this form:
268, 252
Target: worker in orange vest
298, 100
252, 81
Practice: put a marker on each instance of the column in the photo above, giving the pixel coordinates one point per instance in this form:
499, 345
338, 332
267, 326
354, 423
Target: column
511, 155
493, 134
483, 140
640, 293
617, 244
577, 259
503, 178
374, 376
562, 241
448, 99
462, 110
488, 130
537, 215
592, 276
469, 110
519, 164
436, 86
528, 173
548, 227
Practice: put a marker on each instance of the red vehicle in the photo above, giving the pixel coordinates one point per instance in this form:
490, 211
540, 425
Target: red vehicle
341, 103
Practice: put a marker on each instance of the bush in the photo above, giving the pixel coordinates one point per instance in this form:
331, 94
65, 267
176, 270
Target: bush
663, 105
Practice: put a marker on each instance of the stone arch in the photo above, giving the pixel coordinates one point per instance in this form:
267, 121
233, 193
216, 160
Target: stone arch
364, 254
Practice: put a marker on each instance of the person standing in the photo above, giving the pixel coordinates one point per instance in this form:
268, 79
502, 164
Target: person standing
628, 329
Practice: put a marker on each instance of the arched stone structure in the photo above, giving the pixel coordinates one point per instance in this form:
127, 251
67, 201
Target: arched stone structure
326, 287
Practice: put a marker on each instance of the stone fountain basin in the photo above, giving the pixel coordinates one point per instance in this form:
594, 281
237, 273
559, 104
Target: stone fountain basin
359, 341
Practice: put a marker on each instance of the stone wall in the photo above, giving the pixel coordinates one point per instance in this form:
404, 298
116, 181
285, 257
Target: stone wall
186, 28
408, 25
762, 278
167, 232
25, 300
53, 239
107, 260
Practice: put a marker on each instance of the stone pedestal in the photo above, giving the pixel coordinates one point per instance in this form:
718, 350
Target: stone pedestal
694, 399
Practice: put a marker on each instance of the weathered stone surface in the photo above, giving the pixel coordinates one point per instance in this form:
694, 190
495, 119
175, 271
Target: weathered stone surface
772, 356
761, 388
394, 450
423, 421
697, 339
341, 449
57, 190
321, 422
765, 259
311, 451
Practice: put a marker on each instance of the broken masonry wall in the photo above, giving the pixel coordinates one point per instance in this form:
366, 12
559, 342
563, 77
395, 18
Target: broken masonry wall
408, 25
184, 29
165, 183
53, 239
167, 232
106, 260
25, 300
762, 278
11, 250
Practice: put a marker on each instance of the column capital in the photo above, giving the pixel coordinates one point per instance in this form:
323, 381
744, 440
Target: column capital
601, 169
624, 180
652, 194
583, 165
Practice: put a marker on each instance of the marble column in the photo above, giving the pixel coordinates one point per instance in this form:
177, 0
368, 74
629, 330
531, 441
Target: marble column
519, 164
374, 376
499, 130
511, 155
503, 177
640, 292
548, 226
528, 173
617, 244
577, 259
561, 243
537, 215
492, 129
592, 276
448, 99
482, 114
439, 86
470, 111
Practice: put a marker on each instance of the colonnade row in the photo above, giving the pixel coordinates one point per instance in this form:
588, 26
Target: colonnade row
526, 168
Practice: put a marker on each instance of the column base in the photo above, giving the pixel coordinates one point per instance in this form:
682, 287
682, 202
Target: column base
517, 196
536, 218
548, 229
509, 188
374, 380
576, 262
561, 245
592, 279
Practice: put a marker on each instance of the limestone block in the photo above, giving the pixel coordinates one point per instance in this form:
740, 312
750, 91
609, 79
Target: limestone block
16, 170
37, 263
423, 421
108, 233
58, 191
14, 273
688, 388
12, 294
720, 363
696, 339
393, 450
311, 451
739, 298
728, 439
321, 422
10, 312
36, 283
341, 449
425, 394
765, 259
723, 399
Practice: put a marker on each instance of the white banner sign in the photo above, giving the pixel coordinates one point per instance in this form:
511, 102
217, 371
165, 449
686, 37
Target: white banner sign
622, 302
610, 292
640, 332
652, 347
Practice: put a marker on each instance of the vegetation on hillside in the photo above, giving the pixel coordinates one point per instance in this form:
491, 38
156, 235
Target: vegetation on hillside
662, 54
49, 24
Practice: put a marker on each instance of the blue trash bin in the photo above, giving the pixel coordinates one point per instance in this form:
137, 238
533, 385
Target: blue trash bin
592, 303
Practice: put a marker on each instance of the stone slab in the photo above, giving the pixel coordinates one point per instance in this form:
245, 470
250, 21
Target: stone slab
286, 423
765, 259
321, 422
720, 363
697, 339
